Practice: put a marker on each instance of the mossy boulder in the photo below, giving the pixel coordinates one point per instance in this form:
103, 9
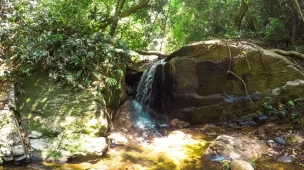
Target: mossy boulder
63, 116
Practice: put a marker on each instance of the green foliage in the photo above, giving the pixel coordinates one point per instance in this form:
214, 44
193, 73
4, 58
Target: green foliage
291, 103
55, 154
60, 36
289, 109
111, 82
275, 31
225, 165
252, 163
267, 105
72, 37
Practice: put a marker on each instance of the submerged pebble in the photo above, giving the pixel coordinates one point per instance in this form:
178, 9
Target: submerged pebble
280, 140
240, 165
285, 159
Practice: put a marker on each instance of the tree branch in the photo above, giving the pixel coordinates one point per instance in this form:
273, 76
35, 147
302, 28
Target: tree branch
160, 55
141, 5
109, 21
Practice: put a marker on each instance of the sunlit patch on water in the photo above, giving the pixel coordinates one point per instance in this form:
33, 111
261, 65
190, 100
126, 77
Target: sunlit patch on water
175, 151
177, 147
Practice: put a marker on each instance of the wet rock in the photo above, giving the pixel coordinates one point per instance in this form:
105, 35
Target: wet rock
261, 119
40, 144
235, 147
174, 122
18, 150
248, 122
280, 140
285, 159
183, 124
132, 125
240, 165
34, 134
179, 124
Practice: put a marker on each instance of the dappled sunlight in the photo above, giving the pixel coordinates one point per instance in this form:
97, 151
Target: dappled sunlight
118, 138
178, 150
175, 146
92, 122
68, 121
150, 57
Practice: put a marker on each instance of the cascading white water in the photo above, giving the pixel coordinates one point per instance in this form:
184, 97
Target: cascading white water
143, 99
144, 89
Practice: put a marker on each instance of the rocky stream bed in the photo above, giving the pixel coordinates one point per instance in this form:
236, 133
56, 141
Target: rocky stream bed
271, 146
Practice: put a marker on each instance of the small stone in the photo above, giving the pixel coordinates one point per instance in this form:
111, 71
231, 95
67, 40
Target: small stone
280, 140
8, 158
174, 122
240, 165
34, 134
285, 159
18, 150
183, 124
20, 157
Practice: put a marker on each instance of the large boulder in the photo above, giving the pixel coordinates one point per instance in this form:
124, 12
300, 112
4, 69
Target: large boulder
61, 122
237, 146
220, 80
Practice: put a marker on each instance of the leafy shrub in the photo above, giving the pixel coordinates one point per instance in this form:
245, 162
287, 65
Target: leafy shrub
275, 31
61, 37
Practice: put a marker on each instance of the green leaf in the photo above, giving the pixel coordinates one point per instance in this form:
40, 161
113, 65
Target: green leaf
291, 103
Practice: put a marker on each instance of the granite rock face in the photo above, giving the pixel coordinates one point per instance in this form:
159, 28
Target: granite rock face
12, 144
221, 80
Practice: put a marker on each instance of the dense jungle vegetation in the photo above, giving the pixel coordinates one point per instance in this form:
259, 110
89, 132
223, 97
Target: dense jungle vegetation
71, 37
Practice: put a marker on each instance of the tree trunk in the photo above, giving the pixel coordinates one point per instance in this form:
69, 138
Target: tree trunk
119, 7
240, 15
299, 10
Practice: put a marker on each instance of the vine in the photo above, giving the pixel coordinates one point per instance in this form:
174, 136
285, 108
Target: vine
234, 74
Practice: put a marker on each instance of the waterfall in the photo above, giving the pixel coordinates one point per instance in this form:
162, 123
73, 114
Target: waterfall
144, 89
146, 117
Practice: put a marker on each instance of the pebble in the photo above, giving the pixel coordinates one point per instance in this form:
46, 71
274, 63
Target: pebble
285, 159
174, 122
280, 140
179, 124
240, 165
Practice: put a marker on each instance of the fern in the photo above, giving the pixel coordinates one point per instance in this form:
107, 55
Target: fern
111, 82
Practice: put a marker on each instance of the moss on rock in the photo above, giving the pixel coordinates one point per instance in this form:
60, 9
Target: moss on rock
73, 120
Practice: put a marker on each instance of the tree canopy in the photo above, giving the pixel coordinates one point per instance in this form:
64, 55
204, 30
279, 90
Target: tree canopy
68, 35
